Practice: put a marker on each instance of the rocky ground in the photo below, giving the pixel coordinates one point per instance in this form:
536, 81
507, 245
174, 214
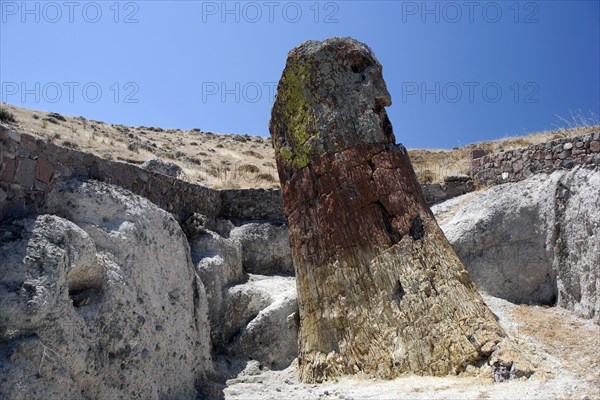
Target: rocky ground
562, 346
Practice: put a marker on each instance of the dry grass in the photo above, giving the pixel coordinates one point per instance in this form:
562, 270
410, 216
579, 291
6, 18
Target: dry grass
572, 340
231, 161
216, 160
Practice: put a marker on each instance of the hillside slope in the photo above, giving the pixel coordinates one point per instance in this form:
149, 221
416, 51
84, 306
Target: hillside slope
230, 160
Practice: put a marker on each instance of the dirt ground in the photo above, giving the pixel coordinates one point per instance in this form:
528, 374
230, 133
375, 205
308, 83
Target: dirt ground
563, 348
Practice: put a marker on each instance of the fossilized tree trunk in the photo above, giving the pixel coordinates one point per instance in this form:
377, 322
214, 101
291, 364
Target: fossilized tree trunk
380, 290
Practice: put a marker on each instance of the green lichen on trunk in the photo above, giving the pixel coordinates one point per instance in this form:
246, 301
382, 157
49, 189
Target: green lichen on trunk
301, 120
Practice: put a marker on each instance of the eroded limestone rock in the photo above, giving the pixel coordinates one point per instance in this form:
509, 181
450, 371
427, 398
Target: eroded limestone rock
270, 335
218, 262
250, 315
100, 300
265, 248
380, 290
533, 241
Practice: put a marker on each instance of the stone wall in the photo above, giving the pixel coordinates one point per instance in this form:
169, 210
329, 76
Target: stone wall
30, 166
453, 185
252, 204
518, 164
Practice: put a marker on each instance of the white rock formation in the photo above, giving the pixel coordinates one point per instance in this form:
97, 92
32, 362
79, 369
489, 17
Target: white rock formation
271, 334
218, 262
537, 240
265, 248
252, 317
100, 301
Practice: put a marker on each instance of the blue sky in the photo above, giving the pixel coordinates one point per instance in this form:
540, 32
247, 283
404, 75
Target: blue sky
458, 72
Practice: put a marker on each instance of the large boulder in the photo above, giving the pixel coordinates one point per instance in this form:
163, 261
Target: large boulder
241, 304
380, 290
270, 331
100, 300
162, 167
534, 241
265, 248
501, 239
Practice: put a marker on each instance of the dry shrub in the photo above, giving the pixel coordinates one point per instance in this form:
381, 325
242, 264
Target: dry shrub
6, 115
253, 153
213, 171
266, 177
426, 176
70, 144
249, 168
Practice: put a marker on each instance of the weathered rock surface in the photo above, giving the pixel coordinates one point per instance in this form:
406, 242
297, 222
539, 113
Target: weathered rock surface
218, 262
453, 186
241, 304
249, 314
380, 290
270, 334
163, 167
100, 300
197, 224
265, 248
534, 241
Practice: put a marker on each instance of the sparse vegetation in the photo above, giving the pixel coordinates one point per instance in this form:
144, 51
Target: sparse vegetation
266, 177
227, 161
249, 168
6, 116
133, 146
252, 153
577, 119
572, 343
107, 154
426, 176
70, 144
52, 120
